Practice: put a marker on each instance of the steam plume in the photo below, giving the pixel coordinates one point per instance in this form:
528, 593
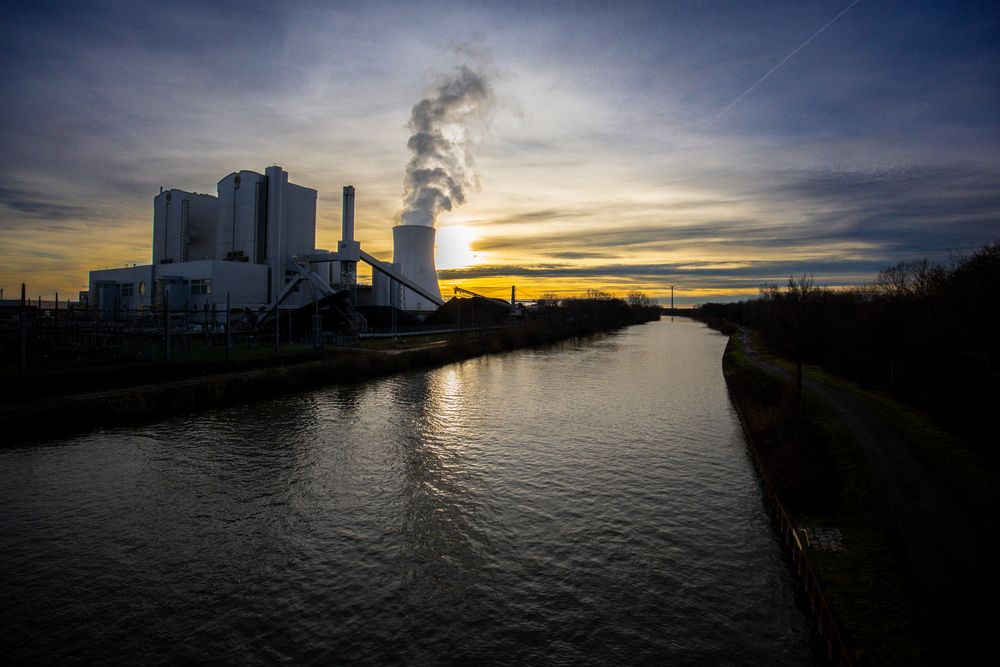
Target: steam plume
445, 127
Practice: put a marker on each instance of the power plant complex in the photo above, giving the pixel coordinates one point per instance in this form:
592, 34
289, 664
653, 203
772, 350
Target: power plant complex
253, 246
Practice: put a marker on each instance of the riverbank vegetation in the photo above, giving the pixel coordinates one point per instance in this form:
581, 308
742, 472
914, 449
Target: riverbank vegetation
918, 347
927, 334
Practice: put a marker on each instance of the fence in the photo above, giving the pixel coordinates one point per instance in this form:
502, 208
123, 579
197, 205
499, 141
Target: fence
71, 335
836, 647
43, 338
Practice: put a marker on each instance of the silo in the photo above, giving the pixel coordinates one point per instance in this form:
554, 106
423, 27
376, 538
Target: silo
413, 254
383, 286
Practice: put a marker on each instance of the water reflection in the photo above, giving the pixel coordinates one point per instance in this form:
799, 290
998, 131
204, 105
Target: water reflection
441, 553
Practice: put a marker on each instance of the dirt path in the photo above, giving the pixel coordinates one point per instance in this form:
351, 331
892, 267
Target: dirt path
947, 550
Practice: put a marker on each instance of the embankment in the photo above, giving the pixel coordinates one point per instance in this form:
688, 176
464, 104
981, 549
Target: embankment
58, 414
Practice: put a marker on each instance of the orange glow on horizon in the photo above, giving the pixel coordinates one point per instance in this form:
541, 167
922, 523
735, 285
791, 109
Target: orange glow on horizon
529, 290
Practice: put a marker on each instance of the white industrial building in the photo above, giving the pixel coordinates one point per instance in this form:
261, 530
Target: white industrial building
264, 219
183, 226
240, 244
190, 285
254, 245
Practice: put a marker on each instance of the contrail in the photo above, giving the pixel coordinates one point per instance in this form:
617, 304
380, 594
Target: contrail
783, 61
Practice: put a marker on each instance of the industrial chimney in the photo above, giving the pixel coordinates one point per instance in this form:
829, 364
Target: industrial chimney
348, 250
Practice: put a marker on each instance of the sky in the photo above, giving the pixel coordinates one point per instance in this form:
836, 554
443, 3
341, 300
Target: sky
713, 146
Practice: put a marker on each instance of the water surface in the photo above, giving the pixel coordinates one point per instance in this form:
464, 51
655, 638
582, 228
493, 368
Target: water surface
588, 503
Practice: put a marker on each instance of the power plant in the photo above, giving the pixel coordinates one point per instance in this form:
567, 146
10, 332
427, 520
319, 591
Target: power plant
252, 246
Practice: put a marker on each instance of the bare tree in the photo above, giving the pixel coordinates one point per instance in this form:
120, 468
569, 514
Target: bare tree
794, 307
548, 300
597, 294
637, 298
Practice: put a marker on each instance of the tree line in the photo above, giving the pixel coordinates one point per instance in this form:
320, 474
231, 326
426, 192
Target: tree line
928, 333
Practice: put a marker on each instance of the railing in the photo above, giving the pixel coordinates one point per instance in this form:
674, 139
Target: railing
836, 647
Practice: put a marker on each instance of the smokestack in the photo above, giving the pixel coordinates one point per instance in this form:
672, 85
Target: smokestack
347, 221
348, 250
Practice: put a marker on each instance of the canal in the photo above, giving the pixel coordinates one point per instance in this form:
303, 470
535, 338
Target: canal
585, 503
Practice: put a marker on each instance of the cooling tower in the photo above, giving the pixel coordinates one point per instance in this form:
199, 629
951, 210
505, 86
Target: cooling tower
413, 253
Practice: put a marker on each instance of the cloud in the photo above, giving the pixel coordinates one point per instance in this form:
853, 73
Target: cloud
912, 213
746, 232
37, 207
702, 275
853, 155
579, 254
543, 215
926, 210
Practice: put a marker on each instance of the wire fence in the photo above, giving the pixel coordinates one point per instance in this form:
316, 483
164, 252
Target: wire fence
37, 336
67, 335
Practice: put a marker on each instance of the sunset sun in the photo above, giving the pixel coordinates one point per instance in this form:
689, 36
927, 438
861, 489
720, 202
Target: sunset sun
454, 247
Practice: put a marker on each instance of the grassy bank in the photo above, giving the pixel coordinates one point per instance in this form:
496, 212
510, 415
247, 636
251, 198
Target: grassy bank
125, 394
821, 477
973, 476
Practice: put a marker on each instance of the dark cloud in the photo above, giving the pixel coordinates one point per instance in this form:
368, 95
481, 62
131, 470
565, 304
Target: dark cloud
27, 204
618, 208
928, 183
704, 275
905, 214
923, 211
579, 254
719, 231
541, 215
